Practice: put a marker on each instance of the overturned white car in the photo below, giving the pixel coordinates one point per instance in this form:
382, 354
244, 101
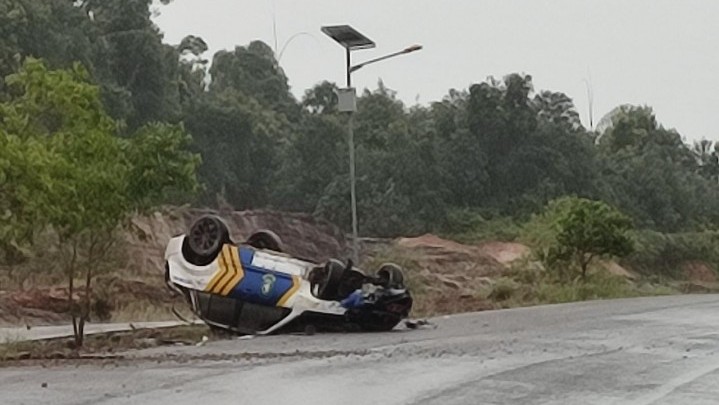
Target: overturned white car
254, 288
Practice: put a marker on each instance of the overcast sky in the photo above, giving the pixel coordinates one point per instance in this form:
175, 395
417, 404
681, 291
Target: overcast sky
657, 52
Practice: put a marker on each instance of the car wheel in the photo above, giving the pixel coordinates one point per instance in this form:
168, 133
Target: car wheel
330, 282
390, 276
265, 239
205, 240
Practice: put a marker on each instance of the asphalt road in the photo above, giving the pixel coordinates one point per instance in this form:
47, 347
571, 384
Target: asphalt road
638, 351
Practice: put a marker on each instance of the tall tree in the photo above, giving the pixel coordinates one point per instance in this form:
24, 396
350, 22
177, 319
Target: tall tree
133, 66
239, 142
85, 180
706, 154
57, 31
254, 72
652, 174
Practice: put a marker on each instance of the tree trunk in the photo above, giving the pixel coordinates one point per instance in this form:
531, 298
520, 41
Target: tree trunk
80, 335
71, 306
88, 301
75, 308
70, 271
584, 263
86, 305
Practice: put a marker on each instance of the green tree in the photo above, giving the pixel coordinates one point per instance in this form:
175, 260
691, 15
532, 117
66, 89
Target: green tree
315, 157
87, 180
239, 142
243, 126
254, 72
142, 79
652, 175
321, 99
463, 163
315, 154
399, 189
85, 191
57, 31
136, 70
557, 108
25, 167
576, 231
707, 155
162, 167
502, 151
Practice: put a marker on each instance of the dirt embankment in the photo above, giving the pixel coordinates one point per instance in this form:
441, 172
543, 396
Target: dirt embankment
452, 277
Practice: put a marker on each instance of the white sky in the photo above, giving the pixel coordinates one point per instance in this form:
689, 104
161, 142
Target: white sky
657, 52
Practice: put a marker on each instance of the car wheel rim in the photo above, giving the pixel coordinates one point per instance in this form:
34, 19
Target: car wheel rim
205, 236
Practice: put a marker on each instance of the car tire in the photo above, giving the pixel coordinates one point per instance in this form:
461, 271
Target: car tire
391, 276
333, 272
205, 240
265, 239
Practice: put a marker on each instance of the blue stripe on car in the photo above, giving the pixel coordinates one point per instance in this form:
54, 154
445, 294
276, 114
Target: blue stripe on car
250, 289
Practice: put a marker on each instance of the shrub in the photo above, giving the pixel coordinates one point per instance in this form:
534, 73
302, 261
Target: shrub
662, 254
571, 232
503, 289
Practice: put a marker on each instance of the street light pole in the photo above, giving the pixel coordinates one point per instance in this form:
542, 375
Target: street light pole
349, 68
351, 40
353, 182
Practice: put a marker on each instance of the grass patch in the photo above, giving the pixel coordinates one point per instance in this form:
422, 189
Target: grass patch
143, 311
526, 283
12, 350
106, 344
599, 285
530, 285
471, 226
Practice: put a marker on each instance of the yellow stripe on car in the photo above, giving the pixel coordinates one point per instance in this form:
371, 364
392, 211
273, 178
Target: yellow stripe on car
286, 296
230, 271
221, 270
239, 271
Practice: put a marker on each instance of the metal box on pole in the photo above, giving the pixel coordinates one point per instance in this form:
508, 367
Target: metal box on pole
347, 99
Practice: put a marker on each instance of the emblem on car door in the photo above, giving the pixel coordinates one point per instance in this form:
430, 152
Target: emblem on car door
268, 281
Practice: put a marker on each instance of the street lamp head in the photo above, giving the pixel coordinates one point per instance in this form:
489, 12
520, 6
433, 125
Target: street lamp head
381, 58
412, 48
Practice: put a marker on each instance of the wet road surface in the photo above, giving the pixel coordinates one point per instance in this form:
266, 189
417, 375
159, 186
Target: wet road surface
662, 350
